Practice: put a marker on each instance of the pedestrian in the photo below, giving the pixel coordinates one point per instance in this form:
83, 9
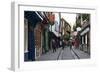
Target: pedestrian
53, 45
70, 44
73, 42
63, 44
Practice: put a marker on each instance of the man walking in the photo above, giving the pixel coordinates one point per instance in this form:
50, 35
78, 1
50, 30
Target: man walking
63, 44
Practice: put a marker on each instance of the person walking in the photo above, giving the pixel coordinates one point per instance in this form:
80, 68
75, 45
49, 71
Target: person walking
70, 44
53, 45
63, 45
73, 43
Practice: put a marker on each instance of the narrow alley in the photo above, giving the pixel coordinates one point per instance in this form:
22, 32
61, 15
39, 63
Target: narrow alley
56, 36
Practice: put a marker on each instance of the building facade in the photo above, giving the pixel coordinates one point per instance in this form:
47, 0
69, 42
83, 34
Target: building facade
41, 33
83, 21
65, 30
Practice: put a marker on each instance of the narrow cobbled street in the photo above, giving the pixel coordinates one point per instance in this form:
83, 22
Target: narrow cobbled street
64, 54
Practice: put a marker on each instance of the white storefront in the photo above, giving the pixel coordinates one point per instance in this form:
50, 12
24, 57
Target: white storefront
85, 39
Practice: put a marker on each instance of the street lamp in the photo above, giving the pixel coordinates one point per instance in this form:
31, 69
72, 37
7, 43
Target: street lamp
78, 29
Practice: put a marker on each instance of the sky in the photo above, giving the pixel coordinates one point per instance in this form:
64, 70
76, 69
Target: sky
69, 17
